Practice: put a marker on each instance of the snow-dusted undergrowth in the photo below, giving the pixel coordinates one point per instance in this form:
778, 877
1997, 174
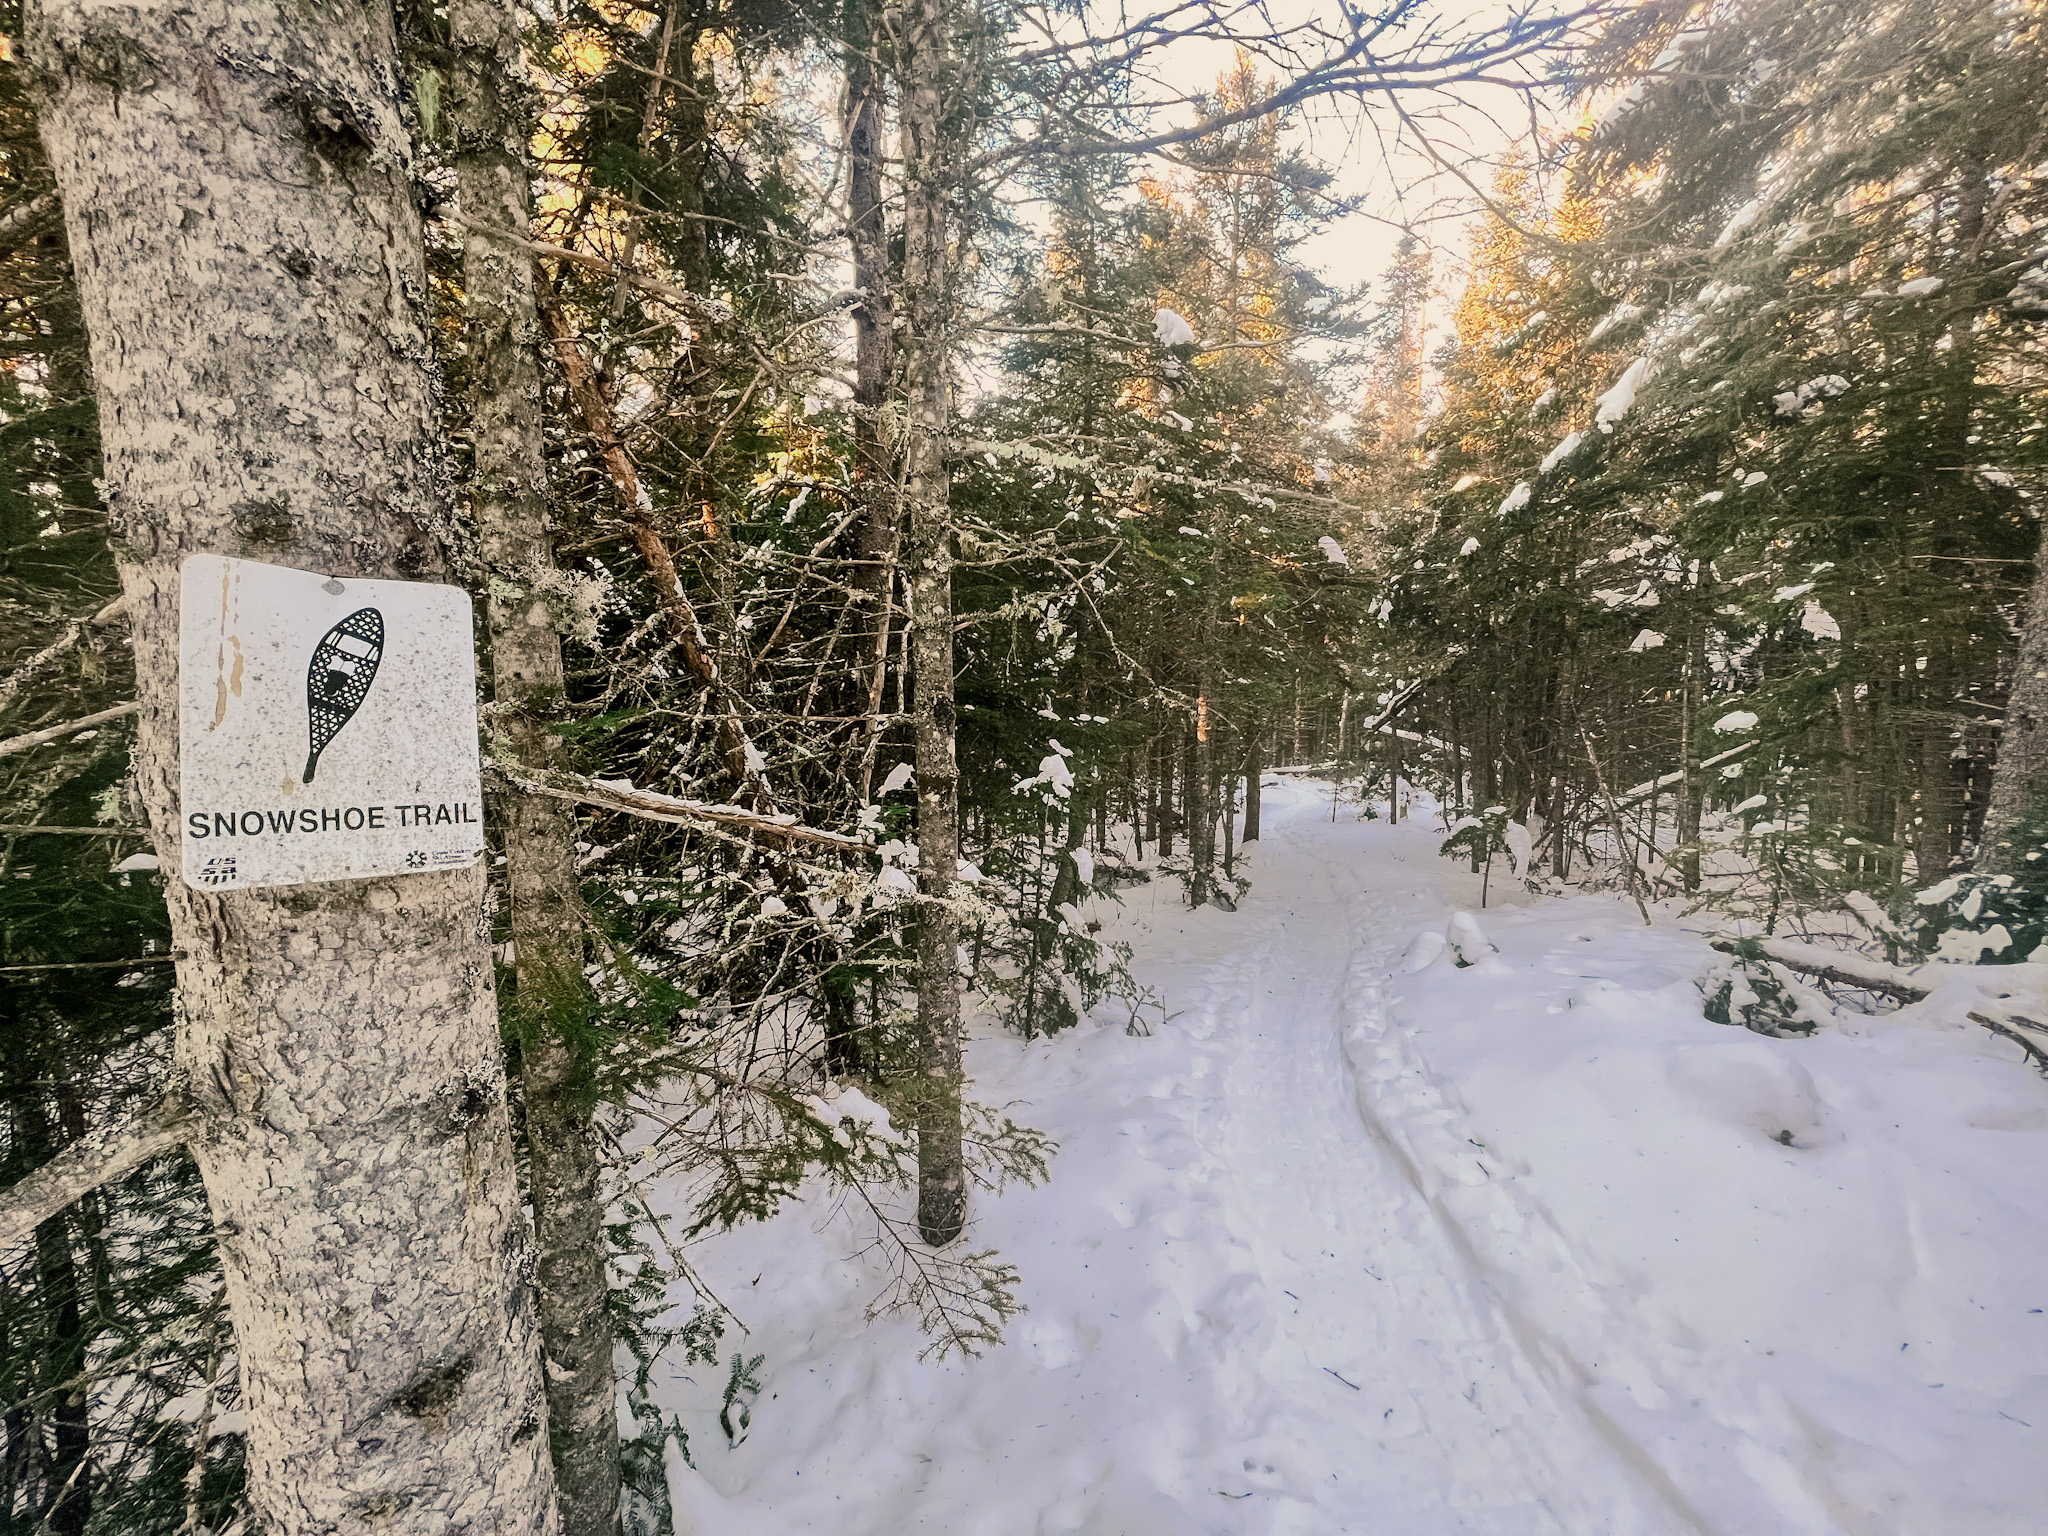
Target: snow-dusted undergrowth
1521, 1247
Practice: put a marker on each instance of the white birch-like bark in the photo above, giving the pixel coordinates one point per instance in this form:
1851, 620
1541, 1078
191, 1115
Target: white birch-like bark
241, 210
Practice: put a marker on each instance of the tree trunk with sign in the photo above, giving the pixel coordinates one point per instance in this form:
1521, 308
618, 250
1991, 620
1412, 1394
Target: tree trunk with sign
239, 198
492, 113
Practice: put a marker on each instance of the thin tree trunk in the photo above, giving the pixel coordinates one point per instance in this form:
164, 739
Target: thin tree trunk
921, 59
1393, 777
493, 111
1162, 794
237, 185
2019, 778
61, 1353
1201, 813
874, 351
1227, 796
1254, 771
1134, 786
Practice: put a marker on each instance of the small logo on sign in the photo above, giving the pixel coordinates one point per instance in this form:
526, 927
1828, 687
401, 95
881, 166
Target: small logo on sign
338, 680
416, 860
217, 871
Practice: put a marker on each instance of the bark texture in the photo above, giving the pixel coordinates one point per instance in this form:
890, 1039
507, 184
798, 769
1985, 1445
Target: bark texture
874, 352
240, 204
1254, 771
2019, 783
921, 58
492, 113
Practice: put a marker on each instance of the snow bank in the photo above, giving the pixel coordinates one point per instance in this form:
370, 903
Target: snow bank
1365, 1241
1805, 1275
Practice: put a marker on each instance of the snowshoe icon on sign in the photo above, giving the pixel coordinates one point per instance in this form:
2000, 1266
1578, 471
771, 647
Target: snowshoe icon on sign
338, 680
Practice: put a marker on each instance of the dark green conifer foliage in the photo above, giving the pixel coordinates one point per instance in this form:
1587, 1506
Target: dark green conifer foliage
112, 1312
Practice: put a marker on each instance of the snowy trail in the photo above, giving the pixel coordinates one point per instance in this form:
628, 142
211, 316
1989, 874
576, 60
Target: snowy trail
1451, 1426
1521, 1249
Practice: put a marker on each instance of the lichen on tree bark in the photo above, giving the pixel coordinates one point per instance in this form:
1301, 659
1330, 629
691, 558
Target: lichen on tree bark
242, 213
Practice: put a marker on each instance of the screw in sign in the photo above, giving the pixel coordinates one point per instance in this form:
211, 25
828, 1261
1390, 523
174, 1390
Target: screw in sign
326, 727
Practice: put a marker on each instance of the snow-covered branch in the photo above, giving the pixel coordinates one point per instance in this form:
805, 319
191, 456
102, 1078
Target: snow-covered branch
1833, 965
1629, 797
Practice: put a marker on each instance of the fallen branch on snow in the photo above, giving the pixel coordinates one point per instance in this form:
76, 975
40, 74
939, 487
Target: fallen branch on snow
1833, 965
2000, 1027
1876, 976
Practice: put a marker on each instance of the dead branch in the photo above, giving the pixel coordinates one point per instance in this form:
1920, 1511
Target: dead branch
37, 829
14, 744
1833, 965
2034, 1052
57, 649
559, 784
636, 511
94, 1159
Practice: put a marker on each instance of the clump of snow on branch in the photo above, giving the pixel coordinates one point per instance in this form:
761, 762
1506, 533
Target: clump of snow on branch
1793, 401
1561, 452
1745, 216
1819, 623
1172, 328
1619, 400
1332, 550
1621, 314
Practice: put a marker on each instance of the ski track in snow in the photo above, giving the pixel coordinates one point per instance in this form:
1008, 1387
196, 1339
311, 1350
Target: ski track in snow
1296, 1293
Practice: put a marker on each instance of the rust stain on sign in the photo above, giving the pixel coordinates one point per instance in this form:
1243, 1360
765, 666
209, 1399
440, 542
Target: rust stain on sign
226, 679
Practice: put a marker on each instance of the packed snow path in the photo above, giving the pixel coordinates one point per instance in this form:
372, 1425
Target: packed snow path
1376, 1381
1355, 1243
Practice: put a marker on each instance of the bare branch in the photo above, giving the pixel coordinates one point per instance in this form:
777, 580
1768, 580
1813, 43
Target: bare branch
57, 649
14, 744
94, 1159
574, 787
2034, 1052
36, 829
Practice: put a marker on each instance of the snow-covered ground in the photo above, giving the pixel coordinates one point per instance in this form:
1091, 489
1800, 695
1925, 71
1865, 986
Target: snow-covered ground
1364, 1241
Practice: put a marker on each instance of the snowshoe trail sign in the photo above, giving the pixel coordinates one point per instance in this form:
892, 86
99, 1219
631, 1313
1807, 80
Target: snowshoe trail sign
326, 727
